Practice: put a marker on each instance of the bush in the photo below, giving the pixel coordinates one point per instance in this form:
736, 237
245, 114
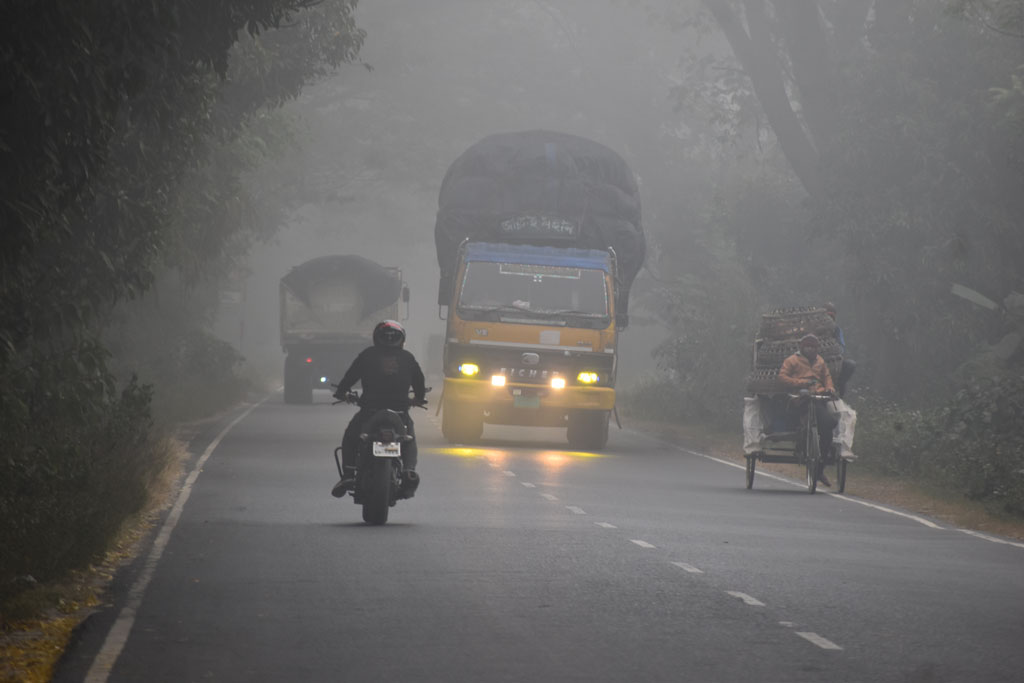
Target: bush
973, 445
78, 460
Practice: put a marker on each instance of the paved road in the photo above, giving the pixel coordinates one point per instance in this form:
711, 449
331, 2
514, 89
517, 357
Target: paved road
525, 562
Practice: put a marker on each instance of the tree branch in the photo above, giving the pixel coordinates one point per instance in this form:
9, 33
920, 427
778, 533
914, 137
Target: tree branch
756, 54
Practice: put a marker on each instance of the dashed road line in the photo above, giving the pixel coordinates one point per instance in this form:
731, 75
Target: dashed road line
823, 643
750, 600
688, 568
508, 473
528, 485
575, 510
642, 544
549, 496
606, 525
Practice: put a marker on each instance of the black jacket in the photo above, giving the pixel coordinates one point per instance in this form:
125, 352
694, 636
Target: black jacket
386, 374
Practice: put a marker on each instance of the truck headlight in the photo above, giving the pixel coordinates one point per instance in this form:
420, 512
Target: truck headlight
469, 369
587, 377
558, 383
498, 380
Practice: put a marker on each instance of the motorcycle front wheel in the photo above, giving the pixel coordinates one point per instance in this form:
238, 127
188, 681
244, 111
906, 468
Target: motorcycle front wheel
377, 497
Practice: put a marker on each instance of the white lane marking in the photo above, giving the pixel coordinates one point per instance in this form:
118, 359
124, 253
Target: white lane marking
752, 601
642, 544
118, 635
919, 520
823, 643
915, 518
688, 568
797, 484
787, 624
606, 525
549, 496
528, 485
575, 510
508, 473
494, 465
986, 537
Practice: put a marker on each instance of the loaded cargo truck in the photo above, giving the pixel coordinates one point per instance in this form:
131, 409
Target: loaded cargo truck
329, 306
538, 240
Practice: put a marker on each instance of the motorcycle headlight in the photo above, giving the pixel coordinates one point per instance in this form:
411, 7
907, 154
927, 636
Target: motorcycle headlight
588, 377
469, 369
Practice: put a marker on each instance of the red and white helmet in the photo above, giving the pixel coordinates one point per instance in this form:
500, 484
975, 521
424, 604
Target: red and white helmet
389, 333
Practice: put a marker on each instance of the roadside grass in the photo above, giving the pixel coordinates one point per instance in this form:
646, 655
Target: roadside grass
36, 624
863, 481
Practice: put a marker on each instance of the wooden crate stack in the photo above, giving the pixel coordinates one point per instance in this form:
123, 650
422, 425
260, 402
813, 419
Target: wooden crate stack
778, 337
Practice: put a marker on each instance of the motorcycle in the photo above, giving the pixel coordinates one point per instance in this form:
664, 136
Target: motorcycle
380, 477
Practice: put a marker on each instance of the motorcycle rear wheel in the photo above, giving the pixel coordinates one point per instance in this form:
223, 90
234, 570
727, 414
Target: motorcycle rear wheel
377, 496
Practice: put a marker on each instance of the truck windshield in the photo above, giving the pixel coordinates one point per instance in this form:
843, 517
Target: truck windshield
541, 290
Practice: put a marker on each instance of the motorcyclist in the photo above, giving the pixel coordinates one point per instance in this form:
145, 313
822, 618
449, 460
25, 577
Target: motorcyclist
386, 371
806, 369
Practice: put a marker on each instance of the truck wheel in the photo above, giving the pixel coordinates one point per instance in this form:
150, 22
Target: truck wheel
588, 430
461, 423
298, 385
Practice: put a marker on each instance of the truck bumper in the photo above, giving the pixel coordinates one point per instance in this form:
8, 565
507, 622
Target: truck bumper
526, 404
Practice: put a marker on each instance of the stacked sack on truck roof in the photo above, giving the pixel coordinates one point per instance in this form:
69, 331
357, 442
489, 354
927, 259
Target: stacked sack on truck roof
778, 338
541, 175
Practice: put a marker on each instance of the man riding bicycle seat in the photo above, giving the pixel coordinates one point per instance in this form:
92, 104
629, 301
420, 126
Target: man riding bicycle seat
806, 369
386, 372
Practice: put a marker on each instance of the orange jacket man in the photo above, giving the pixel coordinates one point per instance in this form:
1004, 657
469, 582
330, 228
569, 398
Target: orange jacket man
806, 369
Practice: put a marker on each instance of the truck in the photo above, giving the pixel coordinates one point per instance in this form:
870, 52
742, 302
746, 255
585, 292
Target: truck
329, 307
538, 239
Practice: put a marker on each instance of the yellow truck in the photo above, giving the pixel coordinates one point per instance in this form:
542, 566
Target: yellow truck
531, 233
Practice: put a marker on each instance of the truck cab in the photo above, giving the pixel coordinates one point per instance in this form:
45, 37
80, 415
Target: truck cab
531, 341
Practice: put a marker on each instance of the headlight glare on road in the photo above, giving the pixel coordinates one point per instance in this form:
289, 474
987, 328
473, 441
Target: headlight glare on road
469, 369
587, 377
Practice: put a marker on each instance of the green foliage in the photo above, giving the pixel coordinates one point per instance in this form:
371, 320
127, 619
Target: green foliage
130, 135
979, 442
972, 444
707, 307
76, 462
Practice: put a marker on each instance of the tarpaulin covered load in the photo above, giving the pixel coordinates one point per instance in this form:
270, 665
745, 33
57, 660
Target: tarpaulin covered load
541, 187
377, 285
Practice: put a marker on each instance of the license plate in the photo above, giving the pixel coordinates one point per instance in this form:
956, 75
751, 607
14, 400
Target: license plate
526, 401
387, 450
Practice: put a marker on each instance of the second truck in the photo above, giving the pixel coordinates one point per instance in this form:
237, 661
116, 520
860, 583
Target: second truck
538, 239
329, 306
